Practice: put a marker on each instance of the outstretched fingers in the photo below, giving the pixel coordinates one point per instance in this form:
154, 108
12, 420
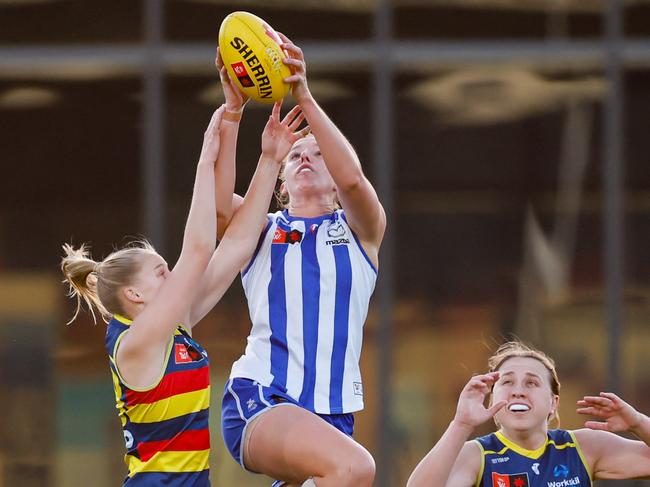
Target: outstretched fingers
298, 69
585, 409
290, 46
492, 410
299, 65
218, 61
482, 383
223, 75
615, 400
600, 402
291, 117
488, 379
597, 425
295, 59
303, 132
275, 112
601, 407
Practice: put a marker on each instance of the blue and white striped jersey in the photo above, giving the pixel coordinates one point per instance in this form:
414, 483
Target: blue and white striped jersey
308, 287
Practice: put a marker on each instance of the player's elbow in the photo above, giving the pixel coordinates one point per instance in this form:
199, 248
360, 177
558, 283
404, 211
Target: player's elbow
223, 220
199, 250
238, 249
352, 184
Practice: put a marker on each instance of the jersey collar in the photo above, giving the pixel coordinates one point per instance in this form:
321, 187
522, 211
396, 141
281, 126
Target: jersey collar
534, 454
122, 319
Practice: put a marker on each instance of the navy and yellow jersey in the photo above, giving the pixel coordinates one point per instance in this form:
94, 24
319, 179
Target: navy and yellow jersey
165, 426
558, 463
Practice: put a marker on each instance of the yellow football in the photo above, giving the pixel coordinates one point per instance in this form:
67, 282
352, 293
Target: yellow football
253, 59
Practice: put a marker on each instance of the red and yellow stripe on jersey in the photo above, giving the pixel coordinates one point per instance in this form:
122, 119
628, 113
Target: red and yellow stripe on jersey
165, 426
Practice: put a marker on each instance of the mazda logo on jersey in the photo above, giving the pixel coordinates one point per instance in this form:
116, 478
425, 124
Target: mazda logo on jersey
510, 480
335, 230
282, 236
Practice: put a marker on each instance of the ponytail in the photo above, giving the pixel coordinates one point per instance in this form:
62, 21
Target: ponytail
99, 284
80, 272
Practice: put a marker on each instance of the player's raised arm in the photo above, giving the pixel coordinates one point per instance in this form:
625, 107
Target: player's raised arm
227, 201
358, 198
241, 238
612, 456
141, 352
453, 461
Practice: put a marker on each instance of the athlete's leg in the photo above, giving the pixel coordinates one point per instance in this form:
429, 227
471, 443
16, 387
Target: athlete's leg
292, 444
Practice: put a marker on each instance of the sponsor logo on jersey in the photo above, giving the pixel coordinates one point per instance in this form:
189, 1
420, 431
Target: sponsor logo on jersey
564, 483
338, 241
185, 353
510, 480
251, 405
500, 459
282, 236
181, 355
336, 232
535, 468
560, 471
358, 388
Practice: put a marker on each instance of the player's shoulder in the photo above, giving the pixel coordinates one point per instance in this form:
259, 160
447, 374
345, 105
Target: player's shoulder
594, 441
487, 442
560, 436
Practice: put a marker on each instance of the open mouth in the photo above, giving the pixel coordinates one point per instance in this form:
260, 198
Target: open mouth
518, 408
304, 168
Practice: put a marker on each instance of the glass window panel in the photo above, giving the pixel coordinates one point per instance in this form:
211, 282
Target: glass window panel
69, 21
637, 18
637, 239
199, 20
71, 166
457, 19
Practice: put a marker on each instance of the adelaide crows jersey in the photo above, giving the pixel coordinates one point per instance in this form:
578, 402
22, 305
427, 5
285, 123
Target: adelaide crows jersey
166, 426
558, 463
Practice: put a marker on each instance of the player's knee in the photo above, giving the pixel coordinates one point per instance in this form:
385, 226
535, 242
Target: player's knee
357, 470
365, 470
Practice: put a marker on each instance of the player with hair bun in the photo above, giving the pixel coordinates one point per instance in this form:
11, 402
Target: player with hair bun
524, 393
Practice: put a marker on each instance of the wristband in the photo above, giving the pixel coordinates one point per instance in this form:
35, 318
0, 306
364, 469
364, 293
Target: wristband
231, 116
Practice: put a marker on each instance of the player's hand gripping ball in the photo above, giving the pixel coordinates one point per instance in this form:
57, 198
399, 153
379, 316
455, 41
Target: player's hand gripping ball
251, 53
